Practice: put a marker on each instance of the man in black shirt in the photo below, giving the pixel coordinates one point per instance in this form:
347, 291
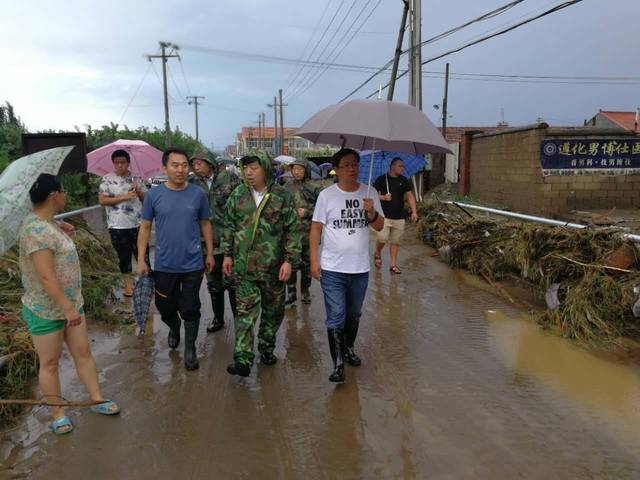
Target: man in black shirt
394, 188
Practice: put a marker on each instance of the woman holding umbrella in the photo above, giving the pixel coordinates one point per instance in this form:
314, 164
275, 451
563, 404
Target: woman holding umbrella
52, 301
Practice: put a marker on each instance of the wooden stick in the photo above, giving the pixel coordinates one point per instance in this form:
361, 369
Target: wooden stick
615, 269
49, 404
463, 210
500, 290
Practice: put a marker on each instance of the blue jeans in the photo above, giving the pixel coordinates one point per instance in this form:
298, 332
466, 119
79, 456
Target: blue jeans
343, 296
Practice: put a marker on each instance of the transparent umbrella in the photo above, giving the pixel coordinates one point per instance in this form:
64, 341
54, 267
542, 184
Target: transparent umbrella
15, 183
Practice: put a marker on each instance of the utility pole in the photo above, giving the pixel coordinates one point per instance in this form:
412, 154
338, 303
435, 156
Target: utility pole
193, 100
275, 124
260, 131
396, 59
165, 57
445, 101
415, 72
264, 128
281, 123
415, 66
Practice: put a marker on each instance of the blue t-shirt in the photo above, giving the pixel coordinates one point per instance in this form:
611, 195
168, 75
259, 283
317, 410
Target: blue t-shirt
177, 214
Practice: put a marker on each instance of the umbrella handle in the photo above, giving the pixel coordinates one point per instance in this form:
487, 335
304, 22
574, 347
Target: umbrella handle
373, 156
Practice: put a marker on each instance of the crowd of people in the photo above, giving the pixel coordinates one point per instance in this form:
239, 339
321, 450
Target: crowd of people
248, 236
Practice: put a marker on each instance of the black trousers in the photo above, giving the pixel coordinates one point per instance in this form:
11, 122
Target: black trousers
178, 293
125, 242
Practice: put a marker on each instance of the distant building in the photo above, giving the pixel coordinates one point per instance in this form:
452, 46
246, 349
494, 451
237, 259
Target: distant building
230, 151
254, 138
616, 120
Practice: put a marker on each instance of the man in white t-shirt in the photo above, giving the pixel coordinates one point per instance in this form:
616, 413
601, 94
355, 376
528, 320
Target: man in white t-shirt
342, 217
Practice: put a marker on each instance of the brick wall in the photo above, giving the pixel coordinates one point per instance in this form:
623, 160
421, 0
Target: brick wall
504, 169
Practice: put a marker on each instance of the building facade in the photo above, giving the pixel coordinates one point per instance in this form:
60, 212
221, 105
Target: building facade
253, 138
545, 170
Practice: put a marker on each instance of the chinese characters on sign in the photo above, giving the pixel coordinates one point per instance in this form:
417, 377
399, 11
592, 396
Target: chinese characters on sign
590, 156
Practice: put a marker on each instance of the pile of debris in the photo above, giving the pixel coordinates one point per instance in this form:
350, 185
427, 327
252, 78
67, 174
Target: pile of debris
18, 361
587, 277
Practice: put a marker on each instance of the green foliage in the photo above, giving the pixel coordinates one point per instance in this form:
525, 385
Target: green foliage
11, 129
304, 154
112, 132
76, 189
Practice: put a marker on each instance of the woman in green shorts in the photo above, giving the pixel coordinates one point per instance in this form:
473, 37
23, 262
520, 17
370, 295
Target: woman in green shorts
52, 301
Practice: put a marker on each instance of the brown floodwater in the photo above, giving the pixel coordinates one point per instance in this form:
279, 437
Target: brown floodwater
455, 384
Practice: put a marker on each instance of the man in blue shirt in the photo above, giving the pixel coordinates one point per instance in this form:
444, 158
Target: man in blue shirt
181, 212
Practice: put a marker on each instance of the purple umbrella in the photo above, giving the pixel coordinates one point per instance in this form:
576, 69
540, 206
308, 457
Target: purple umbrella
375, 125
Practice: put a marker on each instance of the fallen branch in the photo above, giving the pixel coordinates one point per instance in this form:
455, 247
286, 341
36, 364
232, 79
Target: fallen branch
500, 290
607, 267
50, 404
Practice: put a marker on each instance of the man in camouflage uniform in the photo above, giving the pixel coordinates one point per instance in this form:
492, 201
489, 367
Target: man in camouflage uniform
261, 245
217, 185
305, 193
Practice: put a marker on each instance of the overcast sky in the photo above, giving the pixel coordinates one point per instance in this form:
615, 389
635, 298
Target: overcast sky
80, 62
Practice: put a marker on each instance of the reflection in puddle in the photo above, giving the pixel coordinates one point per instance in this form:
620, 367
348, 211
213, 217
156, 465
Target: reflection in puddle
601, 389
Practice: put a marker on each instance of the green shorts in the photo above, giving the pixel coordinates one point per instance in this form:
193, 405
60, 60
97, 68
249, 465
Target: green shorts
42, 326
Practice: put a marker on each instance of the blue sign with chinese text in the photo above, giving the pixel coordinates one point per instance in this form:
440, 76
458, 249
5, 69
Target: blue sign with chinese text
588, 156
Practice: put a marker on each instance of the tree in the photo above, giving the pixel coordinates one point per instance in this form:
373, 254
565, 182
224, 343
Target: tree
155, 137
11, 129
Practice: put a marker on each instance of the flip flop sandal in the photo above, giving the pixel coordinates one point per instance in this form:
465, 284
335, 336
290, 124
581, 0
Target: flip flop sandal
395, 269
105, 408
377, 261
57, 426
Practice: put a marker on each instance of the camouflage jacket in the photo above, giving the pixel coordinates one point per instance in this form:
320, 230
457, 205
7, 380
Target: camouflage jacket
305, 193
261, 238
223, 184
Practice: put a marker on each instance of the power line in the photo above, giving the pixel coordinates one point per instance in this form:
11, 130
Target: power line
533, 82
355, 32
184, 76
160, 80
486, 16
365, 68
135, 93
175, 85
488, 37
308, 28
528, 14
309, 73
481, 18
335, 14
326, 9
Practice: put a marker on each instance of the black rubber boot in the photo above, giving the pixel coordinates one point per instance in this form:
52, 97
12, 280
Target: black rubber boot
190, 335
240, 369
292, 296
350, 333
268, 358
217, 303
174, 332
306, 296
336, 347
305, 284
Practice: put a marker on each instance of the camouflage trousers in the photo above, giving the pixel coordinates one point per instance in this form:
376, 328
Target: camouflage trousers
304, 268
257, 298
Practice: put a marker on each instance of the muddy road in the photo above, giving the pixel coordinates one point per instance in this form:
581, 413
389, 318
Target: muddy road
455, 384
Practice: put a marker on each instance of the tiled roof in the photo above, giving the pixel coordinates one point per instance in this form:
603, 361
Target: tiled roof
455, 134
626, 120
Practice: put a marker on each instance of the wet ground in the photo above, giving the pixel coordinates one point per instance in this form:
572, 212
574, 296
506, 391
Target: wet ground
455, 384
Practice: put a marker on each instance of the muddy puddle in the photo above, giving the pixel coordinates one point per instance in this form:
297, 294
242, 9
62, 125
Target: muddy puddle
455, 384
